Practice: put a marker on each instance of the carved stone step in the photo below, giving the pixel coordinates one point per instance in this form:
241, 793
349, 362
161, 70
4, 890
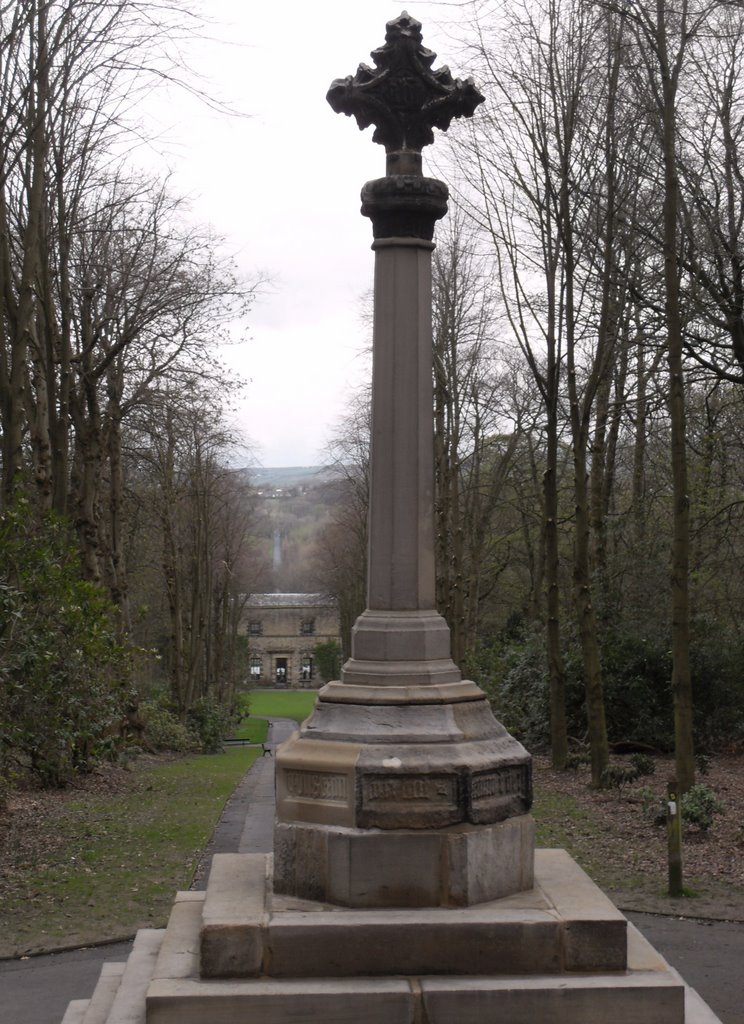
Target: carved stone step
564, 924
104, 993
128, 1006
306, 944
178, 956
162, 983
75, 1011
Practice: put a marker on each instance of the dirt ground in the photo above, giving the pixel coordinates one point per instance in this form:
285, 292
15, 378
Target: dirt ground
613, 836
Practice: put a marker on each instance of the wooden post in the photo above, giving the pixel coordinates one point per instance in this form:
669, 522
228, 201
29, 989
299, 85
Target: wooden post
674, 837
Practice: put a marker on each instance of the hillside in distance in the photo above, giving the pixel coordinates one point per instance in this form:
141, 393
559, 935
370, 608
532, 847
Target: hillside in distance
293, 504
291, 476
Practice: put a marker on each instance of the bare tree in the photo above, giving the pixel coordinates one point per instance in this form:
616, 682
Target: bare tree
340, 560
663, 36
473, 440
200, 512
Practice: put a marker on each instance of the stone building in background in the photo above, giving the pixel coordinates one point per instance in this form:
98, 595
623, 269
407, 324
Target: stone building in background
282, 631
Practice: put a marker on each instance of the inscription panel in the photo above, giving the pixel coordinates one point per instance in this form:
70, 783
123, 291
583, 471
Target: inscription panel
326, 786
409, 789
501, 793
513, 781
409, 801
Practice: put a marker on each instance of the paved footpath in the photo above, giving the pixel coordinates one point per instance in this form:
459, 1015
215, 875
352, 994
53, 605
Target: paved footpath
708, 954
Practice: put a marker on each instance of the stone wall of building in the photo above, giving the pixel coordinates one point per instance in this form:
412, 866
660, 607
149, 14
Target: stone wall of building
282, 631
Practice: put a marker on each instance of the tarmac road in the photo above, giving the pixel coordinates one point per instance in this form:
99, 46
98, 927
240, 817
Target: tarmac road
708, 954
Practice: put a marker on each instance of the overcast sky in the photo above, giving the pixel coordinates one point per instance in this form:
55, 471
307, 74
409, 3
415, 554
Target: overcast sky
282, 186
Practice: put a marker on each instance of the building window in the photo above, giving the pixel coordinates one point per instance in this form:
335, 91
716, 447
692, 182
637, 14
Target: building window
307, 628
254, 668
255, 629
306, 672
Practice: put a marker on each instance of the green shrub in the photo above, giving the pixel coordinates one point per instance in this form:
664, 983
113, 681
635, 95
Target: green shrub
648, 798
164, 730
514, 677
642, 764
699, 806
327, 657
211, 722
637, 670
716, 657
615, 776
637, 674
64, 674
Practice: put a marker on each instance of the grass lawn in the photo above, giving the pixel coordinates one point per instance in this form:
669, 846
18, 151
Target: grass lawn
255, 730
81, 867
295, 704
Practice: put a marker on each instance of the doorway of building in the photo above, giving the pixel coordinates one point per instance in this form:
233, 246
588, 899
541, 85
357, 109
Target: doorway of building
281, 672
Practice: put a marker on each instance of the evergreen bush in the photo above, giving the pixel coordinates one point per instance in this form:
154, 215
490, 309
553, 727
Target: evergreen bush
164, 730
64, 674
699, 806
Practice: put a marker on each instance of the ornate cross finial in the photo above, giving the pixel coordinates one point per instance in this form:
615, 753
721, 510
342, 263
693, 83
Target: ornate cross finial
404, 98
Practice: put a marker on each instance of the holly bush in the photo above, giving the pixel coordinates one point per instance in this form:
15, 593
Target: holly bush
64, 673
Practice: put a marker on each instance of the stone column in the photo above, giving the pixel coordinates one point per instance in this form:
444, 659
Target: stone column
401, 789
401, 640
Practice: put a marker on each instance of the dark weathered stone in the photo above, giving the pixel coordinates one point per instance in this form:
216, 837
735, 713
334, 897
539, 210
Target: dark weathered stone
410, 801
403, 96
504, 792
404, 205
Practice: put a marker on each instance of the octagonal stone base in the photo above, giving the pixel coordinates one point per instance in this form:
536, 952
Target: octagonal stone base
452, 867
402, 766
405, 803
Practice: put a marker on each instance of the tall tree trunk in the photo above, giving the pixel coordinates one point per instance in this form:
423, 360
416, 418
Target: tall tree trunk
681, 678
22, 336
117, 572
579, 417
556, 671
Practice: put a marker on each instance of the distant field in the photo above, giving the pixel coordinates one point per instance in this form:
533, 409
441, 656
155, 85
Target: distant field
291, 476
295, 704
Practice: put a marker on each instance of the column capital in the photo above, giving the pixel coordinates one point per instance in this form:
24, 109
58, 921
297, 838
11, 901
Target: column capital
404, 205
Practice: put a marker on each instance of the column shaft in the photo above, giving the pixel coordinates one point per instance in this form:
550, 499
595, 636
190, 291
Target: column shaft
401, 534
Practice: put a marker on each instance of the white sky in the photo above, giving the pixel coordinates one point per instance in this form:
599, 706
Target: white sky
283, 187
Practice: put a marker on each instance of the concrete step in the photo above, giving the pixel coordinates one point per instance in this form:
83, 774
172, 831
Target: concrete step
178, 956
103, 994
234, 917
128, 1006
305, 1001
643, 956
629, 998
696, 1011
75, 1011
565, 923
648, 992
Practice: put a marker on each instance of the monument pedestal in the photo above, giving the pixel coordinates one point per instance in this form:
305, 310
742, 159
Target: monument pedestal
403, 804
559, 953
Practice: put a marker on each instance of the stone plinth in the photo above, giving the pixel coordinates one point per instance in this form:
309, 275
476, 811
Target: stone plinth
395, 804
453, 867
560, 952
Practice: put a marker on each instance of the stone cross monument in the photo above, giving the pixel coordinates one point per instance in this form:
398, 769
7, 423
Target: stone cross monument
401, 802
401, 789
